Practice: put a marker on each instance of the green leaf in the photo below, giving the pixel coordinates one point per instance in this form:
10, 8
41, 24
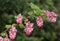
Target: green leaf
21, 25
37, 11
30, 13
7, 26
15, 17
25, 19
34, 6
14, 24
4, 34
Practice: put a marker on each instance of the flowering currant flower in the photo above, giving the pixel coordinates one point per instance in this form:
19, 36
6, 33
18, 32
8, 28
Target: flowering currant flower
39, 21
47, 13
51, 16
19, 19
28, 28
12, 33
6, 39
1, 39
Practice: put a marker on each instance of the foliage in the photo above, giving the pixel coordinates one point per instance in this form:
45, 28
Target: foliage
30, 8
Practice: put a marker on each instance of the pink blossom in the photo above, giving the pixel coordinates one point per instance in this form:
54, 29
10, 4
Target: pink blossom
28, 28
28, 24
6, 39
1, 39
51, 16
39, 21
19, 19
47, 12
12, 33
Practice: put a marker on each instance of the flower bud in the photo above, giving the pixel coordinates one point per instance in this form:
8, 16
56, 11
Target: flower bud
39, 21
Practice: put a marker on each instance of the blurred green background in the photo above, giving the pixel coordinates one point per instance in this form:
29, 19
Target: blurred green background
10, 8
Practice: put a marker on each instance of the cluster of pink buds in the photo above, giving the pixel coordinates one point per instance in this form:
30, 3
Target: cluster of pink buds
4, 39
12, 33
39, 21
28, 28
19, 19
1, 39
51, 16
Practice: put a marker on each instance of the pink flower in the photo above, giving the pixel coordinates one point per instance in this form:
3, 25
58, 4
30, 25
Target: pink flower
12, 33
28, 28
47, 12
39, 21
28, 24
51, 16
28, 31
6, 39
1, 39
19, 19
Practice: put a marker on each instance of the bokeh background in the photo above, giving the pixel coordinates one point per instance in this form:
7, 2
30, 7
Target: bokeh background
10, 8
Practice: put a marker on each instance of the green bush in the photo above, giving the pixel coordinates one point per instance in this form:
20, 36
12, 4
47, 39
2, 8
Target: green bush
9, 9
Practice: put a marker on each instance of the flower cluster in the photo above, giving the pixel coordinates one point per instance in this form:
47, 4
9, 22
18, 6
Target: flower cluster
28, 28
12, 33
39, 21
1, 39
51, 16
19, 19
4, 39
